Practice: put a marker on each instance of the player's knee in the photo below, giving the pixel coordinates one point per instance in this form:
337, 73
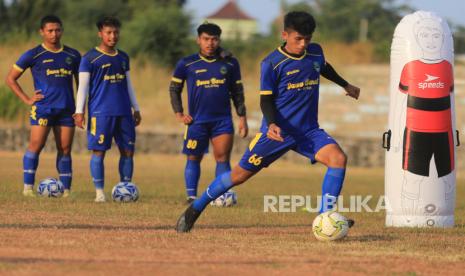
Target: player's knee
195, 157
36, 146
64, 150
338, 160
223, 157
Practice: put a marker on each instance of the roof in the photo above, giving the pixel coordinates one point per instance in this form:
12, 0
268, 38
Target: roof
230, 11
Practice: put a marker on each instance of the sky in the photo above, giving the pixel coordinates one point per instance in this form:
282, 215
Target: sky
265, 11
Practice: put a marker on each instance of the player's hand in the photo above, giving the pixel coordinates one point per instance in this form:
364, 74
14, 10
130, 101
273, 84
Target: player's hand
185, 119
137, 118
79, 120
352, 91
274, 133
38, 96
243, 127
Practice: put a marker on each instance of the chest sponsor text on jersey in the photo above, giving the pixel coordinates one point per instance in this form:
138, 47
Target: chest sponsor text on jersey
305, 85
211, 83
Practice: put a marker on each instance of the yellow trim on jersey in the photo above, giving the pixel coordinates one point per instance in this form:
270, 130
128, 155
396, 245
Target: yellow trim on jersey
193, 62
93, 125
18, 68
176, 80
71, 54
45, 51
53, 51
105, 53
97, 58
255, 140
266, 92
206, 59
274, 68
291, 57
185, 132
239, 81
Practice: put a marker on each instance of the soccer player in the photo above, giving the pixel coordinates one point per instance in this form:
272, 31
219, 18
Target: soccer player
53, 67
289, 81
213, 78
104, 75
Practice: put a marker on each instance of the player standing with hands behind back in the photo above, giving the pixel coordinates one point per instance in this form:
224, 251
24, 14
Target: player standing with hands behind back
104, 75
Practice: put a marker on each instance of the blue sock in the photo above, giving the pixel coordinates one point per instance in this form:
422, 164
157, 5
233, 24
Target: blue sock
126, 168
191, 176
219, 186
30, 164
97, 171
222, 167
65, 170
332, 186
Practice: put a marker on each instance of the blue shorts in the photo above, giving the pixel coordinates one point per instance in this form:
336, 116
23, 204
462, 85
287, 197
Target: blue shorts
40, 116
198, 135
101, 130
263, 151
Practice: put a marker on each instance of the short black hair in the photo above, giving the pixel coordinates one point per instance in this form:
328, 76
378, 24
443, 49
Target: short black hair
299, 21
50, 19
108, 21
209, 28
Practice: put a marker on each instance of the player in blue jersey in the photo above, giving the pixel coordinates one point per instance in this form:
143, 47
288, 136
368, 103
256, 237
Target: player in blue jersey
289, 81
53, 67
112, 107
213, 78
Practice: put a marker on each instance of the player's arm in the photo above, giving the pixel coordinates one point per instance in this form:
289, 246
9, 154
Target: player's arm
330, 73
237, 96
83, 90
176, 86
268, 81
12, 82
132, 98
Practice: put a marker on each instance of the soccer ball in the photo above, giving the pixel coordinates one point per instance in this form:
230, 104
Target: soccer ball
330, 226
125, 192
225, 200
50, 187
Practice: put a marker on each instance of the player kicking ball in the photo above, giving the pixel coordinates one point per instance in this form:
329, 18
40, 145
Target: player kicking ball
213, 79
113, 110
289, 82
53, 67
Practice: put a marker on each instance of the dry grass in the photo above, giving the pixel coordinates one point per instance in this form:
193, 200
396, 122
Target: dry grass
76, 236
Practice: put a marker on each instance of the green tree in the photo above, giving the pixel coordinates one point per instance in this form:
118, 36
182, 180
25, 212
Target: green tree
161, 33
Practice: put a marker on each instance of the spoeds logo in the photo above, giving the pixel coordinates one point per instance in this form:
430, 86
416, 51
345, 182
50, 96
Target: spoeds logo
428, 82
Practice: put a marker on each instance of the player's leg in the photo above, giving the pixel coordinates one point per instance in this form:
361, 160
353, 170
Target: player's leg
260, 153
191, 176
37, 139
335, 160
99, 138
222, 134
64, 140
125, 137
194, 146
321, 147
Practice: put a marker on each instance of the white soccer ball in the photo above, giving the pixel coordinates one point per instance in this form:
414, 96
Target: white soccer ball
50, 187
225, 200
125, 192
330, 226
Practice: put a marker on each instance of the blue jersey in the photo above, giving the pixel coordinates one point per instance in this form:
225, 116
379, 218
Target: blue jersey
209, 82
294, 83
108, 87
52, 72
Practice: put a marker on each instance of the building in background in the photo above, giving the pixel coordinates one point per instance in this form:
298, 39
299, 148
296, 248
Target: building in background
235, 23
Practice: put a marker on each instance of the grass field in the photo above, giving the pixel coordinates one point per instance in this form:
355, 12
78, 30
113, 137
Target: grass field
42, 236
